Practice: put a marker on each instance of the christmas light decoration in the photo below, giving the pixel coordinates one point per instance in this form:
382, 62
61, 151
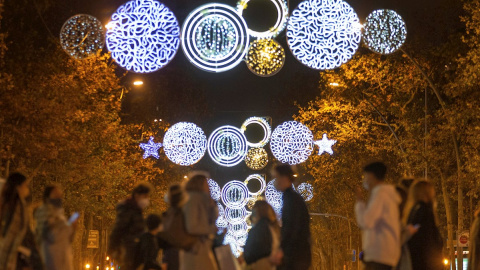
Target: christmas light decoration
262, 182
256, 159
273, 196
292, 142
214, 37
306, 190
143, 36
215, 191
277, 28
325, 145
227, 146
82, 36
267, 130
151, 148
235, 194
238, 229
235, 215
251, 202
265, 57
385, 31
185, 143
323, 34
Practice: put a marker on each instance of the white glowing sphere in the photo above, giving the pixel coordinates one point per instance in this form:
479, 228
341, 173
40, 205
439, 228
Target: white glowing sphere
256, 159
384, 31
185, 143
273, 196
238, 229
235, 194
215, 37
215, 191
235, 215
292, 142
280, 23
227, 146
143, 36
306, 190
323, 34
82, 36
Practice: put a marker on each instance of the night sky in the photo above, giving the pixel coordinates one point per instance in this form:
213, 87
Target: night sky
234, 95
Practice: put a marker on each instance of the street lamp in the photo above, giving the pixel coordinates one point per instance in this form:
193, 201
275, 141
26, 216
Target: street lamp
334, 84
138, 83
87, 266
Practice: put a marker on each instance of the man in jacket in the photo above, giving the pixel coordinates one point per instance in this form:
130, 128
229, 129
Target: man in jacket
295, 232
379, 219
129, 226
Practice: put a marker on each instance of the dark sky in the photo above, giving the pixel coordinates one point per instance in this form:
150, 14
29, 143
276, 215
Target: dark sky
234, 95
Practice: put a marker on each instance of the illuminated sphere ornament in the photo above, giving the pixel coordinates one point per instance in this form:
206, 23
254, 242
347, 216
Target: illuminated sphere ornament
325, 145
214, 37
267, 130
185, 143
82, 36
292, 142
151, 148
280, 23
256, 159
306, 190
227, 146
323, 34
384, 31
143, 36
215, 191
262, 182
235, 215
265, 57
235, 194
238, 229
273, 196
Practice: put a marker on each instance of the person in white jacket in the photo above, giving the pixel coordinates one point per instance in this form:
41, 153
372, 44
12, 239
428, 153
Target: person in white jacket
379, 219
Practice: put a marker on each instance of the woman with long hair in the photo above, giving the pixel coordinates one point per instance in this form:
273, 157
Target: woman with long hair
200, 215
263, 239
426, 245
13, 220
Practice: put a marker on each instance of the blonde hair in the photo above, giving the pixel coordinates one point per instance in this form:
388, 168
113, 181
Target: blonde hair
261, 209
420, 191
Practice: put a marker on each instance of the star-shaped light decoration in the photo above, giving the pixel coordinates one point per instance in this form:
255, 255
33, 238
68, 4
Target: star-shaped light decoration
325, 145
151, 148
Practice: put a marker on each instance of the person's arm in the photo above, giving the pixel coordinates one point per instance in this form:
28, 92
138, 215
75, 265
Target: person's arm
368, 216
121, 226
290, 230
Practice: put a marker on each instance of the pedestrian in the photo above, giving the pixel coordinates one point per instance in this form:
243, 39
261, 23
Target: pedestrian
40, 215
57, 234
150, 245
263, 239
129, 226
13, 220
379, 219
474, 252
200, 212
295, 232
426, 245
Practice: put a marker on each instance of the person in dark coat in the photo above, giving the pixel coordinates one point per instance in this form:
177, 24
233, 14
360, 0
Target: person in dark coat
150, 244
129, 226
295, 232
426, 245
263, 239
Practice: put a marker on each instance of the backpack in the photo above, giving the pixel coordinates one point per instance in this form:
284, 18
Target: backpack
174, 231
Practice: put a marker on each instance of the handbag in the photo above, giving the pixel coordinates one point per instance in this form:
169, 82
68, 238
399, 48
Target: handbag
174, 231
225, 259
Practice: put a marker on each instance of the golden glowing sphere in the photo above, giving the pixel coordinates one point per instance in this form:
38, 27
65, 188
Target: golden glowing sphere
257, 158
265, 57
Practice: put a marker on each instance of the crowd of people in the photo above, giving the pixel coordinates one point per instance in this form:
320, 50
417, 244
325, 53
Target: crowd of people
398, 224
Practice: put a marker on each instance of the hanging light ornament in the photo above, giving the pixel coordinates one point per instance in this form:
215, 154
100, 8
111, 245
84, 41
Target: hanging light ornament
292, 142
265, 57
214, 188
280, 23
256, 159
185, 143
325, 145
306, 190
151, 148
384, 31
227, 146
82, 36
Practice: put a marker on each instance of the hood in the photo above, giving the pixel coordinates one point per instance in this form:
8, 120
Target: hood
390, 192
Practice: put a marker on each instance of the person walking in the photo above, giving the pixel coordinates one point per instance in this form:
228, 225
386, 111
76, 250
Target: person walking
57, 234
295, 232
200, 215
379, 219
40, 215
474, 254
426, 245
129, 226
150, 244
263, 239
13, 220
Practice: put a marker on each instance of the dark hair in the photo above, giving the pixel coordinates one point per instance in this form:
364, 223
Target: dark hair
403, 195
153, 221
196, 183
48, 191
142, 188
285, 170
407, 182
175, 195
9, 197
378, 169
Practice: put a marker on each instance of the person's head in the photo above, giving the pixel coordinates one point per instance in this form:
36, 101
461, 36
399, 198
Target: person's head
176, 196
263, 210
374, 174
52, 192
421, 191
284, 176
15, 188
141, 194
197, 183
407, 182
154, 223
